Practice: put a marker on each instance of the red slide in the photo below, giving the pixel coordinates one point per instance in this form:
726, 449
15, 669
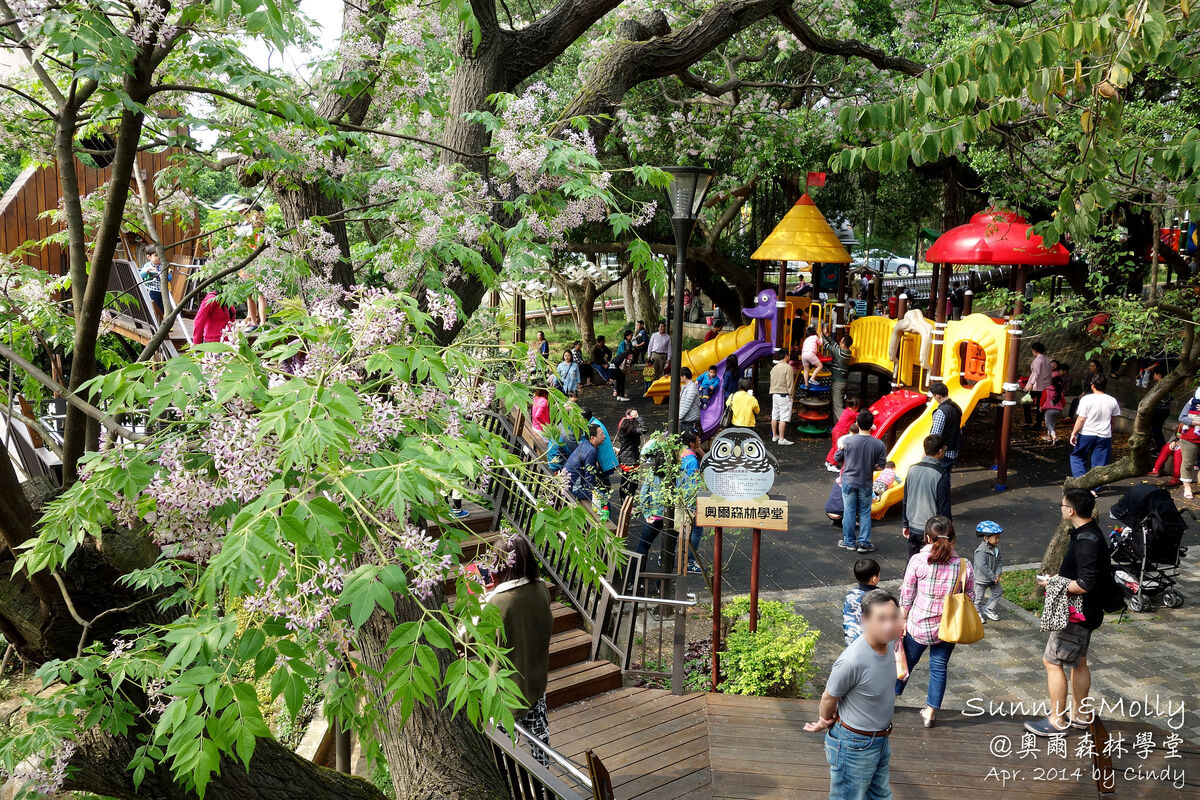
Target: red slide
892, 407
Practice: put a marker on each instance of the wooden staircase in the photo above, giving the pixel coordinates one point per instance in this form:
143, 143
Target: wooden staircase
573, 675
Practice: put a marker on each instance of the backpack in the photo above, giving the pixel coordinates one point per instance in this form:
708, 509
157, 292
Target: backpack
1112, 592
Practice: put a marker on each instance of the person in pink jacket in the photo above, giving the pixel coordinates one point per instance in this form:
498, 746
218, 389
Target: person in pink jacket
211, 320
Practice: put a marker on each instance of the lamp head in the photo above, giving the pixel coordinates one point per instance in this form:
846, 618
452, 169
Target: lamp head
687, 190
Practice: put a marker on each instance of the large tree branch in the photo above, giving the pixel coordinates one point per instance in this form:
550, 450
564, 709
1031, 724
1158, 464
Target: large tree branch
72, 399
845, 48
532, 48
334, 123
737, 198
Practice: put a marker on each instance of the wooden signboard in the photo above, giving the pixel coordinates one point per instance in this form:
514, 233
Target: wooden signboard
763, 515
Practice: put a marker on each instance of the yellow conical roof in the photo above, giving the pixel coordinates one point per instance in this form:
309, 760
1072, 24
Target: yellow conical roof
803, 235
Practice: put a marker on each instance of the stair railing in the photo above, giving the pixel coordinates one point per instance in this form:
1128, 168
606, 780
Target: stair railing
528, 779
611, 607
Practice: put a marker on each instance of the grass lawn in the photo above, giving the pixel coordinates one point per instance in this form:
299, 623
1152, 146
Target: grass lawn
567, 333
1020, 586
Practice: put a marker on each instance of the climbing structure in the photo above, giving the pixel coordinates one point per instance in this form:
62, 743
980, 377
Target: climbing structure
976, 357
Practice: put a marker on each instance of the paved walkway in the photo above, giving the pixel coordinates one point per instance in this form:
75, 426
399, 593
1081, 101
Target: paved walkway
1151, 655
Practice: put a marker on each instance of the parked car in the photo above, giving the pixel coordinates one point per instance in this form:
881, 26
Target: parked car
889, 263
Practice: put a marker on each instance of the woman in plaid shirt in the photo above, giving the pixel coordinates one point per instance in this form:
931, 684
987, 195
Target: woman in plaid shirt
931, 575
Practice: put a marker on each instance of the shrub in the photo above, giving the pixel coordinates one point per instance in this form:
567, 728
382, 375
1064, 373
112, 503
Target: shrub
774, 661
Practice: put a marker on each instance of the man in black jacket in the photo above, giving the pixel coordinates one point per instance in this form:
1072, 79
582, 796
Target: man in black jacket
947, 423
926, 494
1086, 565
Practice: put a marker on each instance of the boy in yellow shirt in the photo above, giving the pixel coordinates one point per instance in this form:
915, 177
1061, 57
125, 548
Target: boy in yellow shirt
744, 406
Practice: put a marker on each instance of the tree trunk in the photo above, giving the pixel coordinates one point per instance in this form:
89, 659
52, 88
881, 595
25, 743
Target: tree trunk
432, 755
80, 433
627, 300
1136, 461
645, 306
101, 766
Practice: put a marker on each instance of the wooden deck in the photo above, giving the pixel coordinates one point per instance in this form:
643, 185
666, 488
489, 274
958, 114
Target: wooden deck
658, 746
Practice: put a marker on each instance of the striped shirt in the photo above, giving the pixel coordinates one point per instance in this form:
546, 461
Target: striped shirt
925, 588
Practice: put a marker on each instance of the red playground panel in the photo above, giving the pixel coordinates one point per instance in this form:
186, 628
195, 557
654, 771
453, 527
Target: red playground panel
892, 407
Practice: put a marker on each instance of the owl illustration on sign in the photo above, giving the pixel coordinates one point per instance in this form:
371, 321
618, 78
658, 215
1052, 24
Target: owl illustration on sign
738, 466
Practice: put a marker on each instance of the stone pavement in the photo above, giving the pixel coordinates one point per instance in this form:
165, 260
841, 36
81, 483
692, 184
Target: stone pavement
807, 555
1150, 655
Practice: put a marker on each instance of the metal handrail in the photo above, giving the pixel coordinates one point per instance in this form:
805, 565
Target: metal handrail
634, 598
557, 757
520, 484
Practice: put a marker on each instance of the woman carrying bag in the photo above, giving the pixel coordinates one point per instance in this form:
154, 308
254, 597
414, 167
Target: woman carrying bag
937, 611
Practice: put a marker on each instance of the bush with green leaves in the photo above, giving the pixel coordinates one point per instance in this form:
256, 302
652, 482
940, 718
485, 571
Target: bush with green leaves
774, 661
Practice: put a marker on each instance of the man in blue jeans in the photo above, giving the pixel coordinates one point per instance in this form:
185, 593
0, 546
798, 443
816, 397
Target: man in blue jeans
857, 705
859, 456
1092, 435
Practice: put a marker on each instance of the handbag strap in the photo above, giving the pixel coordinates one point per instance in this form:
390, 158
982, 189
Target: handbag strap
962, 577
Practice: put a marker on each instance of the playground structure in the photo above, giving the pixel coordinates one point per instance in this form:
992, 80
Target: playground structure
802, 235
758, 339
976, 356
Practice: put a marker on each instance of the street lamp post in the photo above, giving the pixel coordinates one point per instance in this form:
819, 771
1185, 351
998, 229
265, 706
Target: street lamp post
686, 194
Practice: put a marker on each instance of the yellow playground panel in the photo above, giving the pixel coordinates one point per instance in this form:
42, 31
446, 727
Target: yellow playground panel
872, 338
975, 357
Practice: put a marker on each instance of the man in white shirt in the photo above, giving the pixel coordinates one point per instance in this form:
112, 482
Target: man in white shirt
1092, 435
659, 351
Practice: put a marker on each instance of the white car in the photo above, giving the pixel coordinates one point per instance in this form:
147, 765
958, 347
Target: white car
889, 263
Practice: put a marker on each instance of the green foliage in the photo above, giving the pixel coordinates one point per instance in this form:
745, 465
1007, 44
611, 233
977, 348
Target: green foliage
1095, 105
351, 458
774, 661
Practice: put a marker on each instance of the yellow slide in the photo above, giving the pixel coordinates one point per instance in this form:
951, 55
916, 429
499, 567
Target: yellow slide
909, 448
700, 358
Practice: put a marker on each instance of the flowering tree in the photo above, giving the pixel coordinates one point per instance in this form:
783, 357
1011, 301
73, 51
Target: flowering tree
267, 533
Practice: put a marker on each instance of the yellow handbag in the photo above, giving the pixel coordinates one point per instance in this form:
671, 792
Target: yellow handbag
961, 623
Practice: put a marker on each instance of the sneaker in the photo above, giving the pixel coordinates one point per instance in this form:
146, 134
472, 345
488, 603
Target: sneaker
1045, 727
866, 548
784, 442
694, 569
461, 513
842, 544
992, 615
623, 399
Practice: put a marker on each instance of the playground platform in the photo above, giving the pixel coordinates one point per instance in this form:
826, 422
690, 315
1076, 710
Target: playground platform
658, 746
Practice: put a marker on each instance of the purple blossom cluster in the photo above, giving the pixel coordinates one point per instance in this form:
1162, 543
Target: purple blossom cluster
242, 464
376, 321
323, 362
309, 605
33, 774
382, 420
418, 550
441, 306
150, 26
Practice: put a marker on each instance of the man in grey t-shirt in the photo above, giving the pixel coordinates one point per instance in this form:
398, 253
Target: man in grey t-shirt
857, 706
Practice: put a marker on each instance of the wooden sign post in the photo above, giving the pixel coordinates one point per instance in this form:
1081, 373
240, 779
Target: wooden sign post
739, 472
717, 513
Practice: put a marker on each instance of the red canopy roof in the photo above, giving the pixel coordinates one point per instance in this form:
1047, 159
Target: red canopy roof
995, 238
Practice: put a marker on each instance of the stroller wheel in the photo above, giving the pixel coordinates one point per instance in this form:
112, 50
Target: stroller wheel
1172, 598
1139, 602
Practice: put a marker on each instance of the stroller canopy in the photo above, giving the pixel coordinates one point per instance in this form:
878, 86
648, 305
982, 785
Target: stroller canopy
1147, 502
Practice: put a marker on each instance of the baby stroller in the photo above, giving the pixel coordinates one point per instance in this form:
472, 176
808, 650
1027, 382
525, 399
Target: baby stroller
1146, 551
